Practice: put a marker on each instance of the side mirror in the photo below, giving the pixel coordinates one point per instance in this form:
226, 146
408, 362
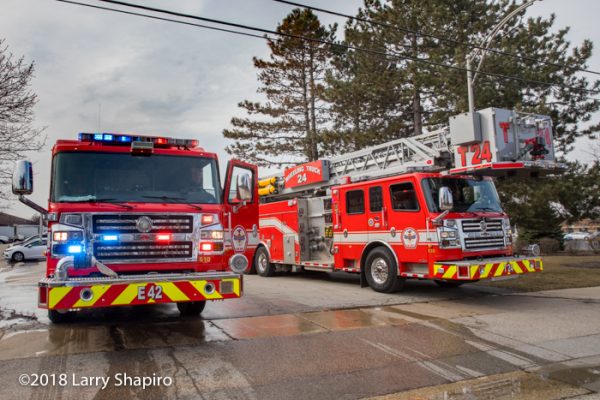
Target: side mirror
244, 187
445, 200
22, 182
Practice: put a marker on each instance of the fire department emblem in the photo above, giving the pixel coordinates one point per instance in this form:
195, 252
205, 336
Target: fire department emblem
239, 239
410, 238
143, 224
483, 225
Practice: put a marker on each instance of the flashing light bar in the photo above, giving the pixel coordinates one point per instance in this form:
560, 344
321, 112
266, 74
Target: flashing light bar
119, 139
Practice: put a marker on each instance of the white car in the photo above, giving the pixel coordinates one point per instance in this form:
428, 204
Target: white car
4, 239
33, 250
577, 236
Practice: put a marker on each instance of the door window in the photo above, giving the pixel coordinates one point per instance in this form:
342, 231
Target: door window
355, 202
404, 197
236, 175
375, 199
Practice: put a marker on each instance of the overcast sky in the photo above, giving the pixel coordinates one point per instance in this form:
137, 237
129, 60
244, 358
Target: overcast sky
99, 70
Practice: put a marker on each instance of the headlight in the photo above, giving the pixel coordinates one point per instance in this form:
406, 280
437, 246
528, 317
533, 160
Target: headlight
447, 234
211, 235
450, 223
66, 236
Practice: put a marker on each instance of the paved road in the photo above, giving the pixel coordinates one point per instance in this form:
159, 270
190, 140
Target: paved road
310, 336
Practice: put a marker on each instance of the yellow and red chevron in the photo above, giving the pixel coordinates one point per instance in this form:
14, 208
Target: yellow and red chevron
125, 294
488, 270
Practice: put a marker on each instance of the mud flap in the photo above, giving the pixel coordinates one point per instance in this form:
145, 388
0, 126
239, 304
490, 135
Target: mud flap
363, 279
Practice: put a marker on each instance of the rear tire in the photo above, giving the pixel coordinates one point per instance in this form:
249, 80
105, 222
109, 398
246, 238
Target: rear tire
17, 257
191, 308
262, 263
57, 317
381, 271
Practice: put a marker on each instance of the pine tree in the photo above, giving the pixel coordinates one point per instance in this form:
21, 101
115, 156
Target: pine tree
397, 96
288, 127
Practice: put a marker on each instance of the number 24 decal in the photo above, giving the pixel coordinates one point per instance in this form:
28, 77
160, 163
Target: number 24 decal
481, 152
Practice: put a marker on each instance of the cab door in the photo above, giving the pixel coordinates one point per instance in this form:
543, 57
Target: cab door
377, 222
349, 226
241, 210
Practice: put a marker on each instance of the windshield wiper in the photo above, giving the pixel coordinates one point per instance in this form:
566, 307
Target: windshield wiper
173, 200
102, 200
486, 209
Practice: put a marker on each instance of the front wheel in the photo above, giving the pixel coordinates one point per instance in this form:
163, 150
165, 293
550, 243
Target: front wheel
18, 256
262, 264
191, 308
382, 271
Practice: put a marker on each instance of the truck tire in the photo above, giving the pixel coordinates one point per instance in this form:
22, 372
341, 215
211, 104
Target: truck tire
57, 317
191, 308
381, 271
262, 263
17, 257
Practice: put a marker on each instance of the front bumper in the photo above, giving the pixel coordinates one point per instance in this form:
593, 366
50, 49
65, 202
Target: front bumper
487, 268
76, 293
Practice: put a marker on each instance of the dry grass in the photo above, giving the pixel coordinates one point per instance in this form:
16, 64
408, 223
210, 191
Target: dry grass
560, 272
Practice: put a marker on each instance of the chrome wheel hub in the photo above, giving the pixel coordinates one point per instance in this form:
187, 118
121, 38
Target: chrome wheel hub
379, 271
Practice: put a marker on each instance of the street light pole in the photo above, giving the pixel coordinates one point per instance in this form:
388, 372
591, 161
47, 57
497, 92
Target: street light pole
482, 50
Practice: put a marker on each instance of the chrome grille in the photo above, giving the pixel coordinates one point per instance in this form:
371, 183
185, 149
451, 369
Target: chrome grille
476, 238
142, 250
126, 223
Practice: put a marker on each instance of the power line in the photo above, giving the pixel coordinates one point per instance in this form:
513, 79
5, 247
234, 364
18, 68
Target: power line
304, 38
442, 39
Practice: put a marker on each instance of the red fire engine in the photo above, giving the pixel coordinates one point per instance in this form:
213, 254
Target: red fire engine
423, 207
142, 220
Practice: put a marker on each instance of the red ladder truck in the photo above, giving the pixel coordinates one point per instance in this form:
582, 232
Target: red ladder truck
142, 220
423, 207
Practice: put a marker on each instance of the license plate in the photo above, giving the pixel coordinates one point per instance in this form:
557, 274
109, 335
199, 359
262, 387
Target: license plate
150, 292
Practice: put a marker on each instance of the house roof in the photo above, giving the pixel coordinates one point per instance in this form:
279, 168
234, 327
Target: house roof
10, 220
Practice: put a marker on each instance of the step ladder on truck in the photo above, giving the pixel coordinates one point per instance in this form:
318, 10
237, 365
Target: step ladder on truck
422, 207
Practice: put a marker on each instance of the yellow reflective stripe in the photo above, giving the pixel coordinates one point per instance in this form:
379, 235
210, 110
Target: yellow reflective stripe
56, 294
528, 266
199, 285
500, 269
128, 295
236, 285
541, 264
173, 292
450, 272
98, 291
516, 267
474, 270
486, 272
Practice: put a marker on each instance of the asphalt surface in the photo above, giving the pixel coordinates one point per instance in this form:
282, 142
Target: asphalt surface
317, 336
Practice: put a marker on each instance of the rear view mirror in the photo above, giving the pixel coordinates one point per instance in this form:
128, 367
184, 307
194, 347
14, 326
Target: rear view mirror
445, 200
244, 187
22, 182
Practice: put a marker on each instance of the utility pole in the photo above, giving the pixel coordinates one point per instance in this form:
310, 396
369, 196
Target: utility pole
482, 50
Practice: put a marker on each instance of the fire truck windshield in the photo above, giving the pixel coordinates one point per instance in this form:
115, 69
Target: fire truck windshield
122, 177
468, 194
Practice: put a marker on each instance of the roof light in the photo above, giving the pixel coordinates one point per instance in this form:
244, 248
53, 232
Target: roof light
116, 138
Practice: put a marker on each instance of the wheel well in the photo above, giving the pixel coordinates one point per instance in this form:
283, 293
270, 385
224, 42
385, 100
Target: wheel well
367, 250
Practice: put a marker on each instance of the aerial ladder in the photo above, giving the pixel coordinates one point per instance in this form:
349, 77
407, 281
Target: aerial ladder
492, 141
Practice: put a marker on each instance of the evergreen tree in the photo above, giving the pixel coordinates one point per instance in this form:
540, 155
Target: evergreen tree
378, 97
288, 127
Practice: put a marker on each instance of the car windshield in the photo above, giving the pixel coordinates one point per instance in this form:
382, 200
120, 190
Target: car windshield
123, 177
468, 194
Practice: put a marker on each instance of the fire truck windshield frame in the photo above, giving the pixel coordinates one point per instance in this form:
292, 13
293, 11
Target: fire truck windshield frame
469, 195
79, 177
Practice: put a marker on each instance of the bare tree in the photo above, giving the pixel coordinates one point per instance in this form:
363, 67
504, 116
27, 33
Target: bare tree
17, 135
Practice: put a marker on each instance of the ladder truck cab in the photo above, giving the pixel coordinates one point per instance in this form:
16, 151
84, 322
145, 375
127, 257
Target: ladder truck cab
422, 207
136, 220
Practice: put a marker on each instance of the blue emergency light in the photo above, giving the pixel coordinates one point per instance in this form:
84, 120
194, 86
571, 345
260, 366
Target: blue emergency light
119, 139
110, 238
74, 249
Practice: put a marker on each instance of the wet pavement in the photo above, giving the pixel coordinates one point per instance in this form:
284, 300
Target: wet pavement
308, 336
